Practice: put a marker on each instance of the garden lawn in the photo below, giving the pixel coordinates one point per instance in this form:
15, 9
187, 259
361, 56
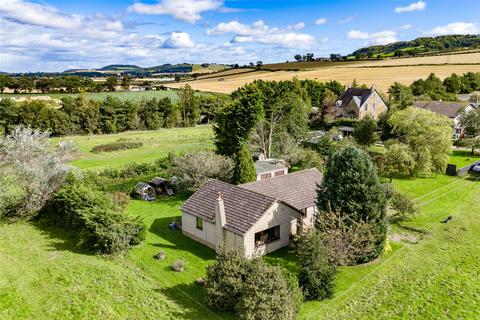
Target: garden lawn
461, 158
438, 278
156, 144
43, 276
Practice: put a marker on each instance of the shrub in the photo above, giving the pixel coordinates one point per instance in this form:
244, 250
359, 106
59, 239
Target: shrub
265, 294
365, 130
403, 205
94, 219
178, 266
317, 274
224, 279
194, 168
116, 146
120, 199
351, 187
34, 169
309, 159
244, 170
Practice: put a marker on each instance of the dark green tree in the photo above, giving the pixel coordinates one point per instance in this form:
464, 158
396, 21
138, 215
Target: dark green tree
111, 83
189, 106
244, 170
351, 187
401, 95
365, 131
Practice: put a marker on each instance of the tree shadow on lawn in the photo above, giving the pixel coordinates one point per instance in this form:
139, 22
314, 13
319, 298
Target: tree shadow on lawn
190, 298
178, 240
60, 239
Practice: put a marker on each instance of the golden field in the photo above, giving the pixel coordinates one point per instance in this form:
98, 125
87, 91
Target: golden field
382, 73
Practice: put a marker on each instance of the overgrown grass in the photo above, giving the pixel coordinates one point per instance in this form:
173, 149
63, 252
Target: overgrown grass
156, 144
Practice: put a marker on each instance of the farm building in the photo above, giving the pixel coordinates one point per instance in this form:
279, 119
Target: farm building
256, 218
143, 191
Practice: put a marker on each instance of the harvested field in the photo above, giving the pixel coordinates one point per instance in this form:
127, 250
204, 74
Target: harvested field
382, 74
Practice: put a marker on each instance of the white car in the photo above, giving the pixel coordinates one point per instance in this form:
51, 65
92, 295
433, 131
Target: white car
476, 168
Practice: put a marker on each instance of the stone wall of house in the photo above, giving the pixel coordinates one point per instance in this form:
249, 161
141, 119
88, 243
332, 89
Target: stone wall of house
205, 236
373, 106
278, 215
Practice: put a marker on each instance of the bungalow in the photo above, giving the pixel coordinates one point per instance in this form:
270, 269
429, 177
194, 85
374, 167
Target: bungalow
256, 218
451, 110
356, 103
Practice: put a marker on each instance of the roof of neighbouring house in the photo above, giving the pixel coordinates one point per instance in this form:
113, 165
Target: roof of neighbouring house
243, 208
296, 189
449, 109
262, 166
358, 94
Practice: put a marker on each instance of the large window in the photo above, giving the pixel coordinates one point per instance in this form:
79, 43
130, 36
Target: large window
267, 236
199, 223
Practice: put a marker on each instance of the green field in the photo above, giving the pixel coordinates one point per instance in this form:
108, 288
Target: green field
156, 144
129, 95
430, 275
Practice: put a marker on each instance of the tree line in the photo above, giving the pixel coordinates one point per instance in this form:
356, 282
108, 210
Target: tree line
81, 115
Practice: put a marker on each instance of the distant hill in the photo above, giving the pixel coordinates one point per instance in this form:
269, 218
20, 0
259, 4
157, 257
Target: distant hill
135, 70
420, 46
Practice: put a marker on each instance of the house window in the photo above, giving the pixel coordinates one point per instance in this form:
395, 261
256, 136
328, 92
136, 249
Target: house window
199, 223
265, 176
266, 236
279, 173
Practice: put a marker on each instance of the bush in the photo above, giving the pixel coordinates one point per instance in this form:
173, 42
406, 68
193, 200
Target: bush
317, 274
194, 168
403, 205
265, 294
116, 146
94, 219
120, 199
225, 279
244, 170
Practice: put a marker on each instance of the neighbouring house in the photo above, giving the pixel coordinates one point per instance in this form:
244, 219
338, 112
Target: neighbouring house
450, 109
356, 103
255, 218
143, 191
269, 168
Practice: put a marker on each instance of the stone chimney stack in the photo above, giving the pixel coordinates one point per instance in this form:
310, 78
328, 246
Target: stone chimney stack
220, 220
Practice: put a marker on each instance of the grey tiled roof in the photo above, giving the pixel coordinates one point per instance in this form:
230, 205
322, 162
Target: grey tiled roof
359, 94
449, 109
297, 189
243, 208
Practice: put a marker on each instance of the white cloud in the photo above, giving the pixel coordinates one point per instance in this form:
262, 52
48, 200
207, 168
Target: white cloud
179, 40
377, 38
184, 10
405, 27
455, 28
259, 32
415, 6
297, 26
320, 21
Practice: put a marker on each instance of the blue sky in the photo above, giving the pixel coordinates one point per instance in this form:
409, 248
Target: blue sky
54, 35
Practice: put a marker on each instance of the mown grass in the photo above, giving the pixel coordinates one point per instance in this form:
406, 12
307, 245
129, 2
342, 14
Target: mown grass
156, 144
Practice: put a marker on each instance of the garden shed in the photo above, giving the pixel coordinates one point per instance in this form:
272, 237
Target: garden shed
160, 185
144, 191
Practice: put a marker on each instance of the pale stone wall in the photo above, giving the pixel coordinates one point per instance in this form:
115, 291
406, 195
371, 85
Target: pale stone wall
205, 236
279, 214
373, 106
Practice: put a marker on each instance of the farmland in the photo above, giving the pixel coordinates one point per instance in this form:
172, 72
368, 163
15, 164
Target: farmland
156, 144
98, 96
378, 73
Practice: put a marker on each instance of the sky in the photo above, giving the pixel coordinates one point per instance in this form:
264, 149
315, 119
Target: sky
55, 35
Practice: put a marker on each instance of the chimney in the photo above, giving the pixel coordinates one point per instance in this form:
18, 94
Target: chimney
220, 220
